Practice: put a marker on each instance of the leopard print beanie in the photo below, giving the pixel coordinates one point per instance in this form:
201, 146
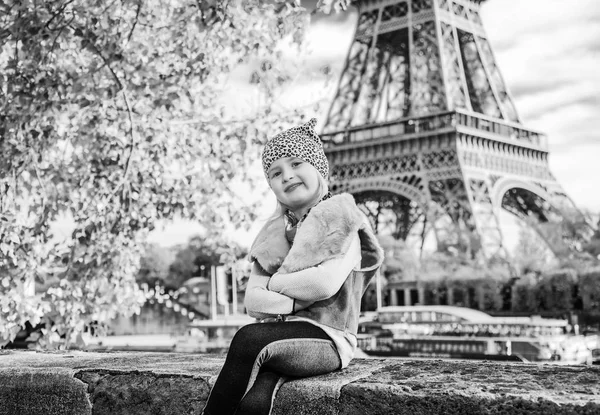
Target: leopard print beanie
302, 142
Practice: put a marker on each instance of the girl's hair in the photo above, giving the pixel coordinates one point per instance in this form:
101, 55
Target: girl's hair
280, 208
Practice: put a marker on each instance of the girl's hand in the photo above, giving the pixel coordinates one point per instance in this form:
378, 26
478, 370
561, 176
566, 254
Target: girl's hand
301, 305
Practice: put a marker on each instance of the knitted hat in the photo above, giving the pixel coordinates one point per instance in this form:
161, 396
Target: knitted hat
301, 142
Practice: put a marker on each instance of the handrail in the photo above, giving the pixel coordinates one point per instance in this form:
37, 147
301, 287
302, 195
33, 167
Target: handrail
407, 127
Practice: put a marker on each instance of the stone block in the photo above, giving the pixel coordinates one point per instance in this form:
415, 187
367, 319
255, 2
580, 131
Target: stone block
135, 383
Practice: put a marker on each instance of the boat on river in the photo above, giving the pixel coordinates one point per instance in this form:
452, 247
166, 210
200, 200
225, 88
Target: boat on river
437, 331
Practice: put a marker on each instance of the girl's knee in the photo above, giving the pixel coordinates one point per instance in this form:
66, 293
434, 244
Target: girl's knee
247, 341
248, 334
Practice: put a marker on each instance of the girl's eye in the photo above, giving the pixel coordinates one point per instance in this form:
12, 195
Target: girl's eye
275, 174
296, 163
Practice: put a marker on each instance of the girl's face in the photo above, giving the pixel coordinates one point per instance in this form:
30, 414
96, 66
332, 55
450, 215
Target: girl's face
294, 182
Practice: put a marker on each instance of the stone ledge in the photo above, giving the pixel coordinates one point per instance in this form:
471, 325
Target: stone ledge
173, 383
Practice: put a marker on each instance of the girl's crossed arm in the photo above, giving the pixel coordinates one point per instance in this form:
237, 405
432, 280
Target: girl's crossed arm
319, 282
262, 303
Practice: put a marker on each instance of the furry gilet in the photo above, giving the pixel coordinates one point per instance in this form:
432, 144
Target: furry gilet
325, 234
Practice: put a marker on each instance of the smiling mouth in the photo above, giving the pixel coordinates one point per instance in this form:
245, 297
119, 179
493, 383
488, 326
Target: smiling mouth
291, 187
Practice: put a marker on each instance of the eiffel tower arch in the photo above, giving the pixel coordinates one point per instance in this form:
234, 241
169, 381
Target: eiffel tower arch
424, 132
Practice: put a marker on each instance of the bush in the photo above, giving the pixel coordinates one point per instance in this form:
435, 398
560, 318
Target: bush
555, 290
589, 290
492, 295
524, 294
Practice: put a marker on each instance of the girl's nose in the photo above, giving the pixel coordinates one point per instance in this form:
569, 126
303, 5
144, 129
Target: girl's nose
288, 175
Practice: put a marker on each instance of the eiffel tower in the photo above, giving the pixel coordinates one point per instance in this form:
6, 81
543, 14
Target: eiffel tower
424, 133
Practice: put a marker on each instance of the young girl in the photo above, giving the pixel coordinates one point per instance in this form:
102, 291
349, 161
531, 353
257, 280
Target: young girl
312, 262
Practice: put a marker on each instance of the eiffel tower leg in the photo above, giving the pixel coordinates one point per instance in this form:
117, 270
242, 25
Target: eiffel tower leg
433, 216
485, 216
454, 73
465, 199
529, 202
546, 209
433, 213
340, 113
390, 213
582, 225
563, 203
453, 219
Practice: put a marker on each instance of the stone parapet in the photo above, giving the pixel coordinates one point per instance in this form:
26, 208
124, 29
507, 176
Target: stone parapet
173, 383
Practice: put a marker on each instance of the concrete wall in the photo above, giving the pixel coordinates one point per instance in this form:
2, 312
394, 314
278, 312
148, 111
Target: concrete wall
160, 383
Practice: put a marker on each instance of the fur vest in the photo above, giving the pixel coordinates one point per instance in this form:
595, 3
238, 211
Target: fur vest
326, 233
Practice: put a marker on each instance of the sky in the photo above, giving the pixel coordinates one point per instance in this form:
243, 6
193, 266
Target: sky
548, 52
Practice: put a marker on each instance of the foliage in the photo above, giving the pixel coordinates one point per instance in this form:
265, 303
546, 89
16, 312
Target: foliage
589, 289
592, 246
184, 266
531, 253
336, 5
523, 293
400, 262
155, 265
109, 112
202, 253
576, 228
440, 265
491, 294
548, 282
474, 283
554, 291
534, 281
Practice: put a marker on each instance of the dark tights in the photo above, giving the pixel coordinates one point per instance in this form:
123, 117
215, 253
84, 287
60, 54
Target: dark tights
259, 355
257, 400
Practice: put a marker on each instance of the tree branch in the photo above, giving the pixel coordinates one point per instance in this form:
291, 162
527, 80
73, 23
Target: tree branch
55, 39
107, 7
137, 15
55, 15
42, 185
129, 115
131, 135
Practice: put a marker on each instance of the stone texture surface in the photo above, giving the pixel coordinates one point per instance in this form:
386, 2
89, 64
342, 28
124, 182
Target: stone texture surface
443, 387
171, 383
308, 396
54, 392
143, 393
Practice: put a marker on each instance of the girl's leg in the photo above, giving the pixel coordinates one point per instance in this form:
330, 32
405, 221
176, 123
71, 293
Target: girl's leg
290, 348
259, 399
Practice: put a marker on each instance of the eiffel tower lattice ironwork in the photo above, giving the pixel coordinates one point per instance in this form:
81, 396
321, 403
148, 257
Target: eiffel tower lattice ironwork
423, 130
